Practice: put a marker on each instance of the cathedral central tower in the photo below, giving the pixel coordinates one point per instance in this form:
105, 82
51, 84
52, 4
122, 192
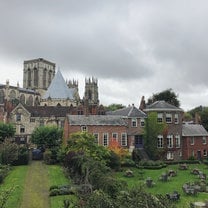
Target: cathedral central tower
38, 74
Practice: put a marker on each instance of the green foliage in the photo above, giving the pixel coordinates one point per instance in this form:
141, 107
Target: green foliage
151, 131
8, 152
114, 161
4, 196
23, 156
6, 131
47, 136
85, 142
114, 107
167, 95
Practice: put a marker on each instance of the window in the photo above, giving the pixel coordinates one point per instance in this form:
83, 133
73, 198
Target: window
192, 140
159, 117
105, 139
41, 123
178, 141
192, 153
170, 141
160, 141
168, 118
32, 120
22, 129
115, 136
96, 135
205, 153
169, 155
204, 140
83, 128
142, 122
123, 139
18, 117
134, 122
176, 119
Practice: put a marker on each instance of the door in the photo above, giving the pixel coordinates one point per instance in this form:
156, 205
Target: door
138, 140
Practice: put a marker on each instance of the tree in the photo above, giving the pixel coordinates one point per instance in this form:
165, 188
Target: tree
6, 131
167, 95
151, 131
85, 142
47, 136
8, 152
113, 107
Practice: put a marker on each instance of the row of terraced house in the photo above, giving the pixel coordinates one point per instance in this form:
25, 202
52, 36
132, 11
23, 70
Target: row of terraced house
58, 103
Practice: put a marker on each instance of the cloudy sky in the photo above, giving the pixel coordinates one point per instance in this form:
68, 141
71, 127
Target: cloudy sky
133, 47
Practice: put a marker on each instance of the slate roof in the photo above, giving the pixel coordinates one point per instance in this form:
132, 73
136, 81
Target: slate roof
48, 111
58, 89
161, 105
193, 130
130, 112
96, 120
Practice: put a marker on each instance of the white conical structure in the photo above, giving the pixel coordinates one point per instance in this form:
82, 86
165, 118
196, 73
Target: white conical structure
58, 89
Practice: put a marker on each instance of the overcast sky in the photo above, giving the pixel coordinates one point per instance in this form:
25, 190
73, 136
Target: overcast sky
133, 47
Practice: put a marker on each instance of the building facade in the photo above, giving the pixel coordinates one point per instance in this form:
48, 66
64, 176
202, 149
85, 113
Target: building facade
171, 141
38, 74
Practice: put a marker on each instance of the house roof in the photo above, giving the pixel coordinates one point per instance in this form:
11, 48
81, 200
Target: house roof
193, 130
96, 120
58, 89
130, 111
48, 111
161, 105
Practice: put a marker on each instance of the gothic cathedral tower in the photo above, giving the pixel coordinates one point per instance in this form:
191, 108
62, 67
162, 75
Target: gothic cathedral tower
91, 91
38, 74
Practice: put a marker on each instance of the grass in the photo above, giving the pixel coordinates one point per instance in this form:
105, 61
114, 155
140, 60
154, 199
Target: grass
175, 183
16, 178
57, 177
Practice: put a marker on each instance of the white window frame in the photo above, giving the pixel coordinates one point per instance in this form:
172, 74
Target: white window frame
84, 128
204, 140
168, 118
96, 136
142, 122
204, 152
160, 141
134, 122
123, 139
170, 141
176, 119
178, 141
159, 117
170, 156
105, 139
115, 136
192, 140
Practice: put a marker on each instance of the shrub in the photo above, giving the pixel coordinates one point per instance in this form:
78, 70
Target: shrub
23, 157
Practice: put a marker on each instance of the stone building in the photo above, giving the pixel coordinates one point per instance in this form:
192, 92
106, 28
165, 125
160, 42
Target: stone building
38, 74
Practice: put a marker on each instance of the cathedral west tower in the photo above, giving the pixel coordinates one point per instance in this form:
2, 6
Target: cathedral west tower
38, 74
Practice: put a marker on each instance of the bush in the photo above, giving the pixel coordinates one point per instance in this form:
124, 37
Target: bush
128, 163
23, 157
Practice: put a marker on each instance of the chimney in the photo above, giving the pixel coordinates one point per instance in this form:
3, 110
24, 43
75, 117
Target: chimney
142, 104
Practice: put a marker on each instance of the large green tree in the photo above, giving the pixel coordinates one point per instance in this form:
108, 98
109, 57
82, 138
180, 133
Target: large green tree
151, 131
167, 95
7, 130
114, 106
47, 136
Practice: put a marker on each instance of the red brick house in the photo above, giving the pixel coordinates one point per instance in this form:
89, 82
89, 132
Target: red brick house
172, 116
103, 127
195, 141
135, 118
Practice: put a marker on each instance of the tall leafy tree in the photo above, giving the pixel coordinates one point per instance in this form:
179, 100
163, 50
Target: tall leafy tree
151, 131
47, 136
114, 106
167, 95
6, 131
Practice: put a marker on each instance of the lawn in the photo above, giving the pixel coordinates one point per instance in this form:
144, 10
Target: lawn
16, 178
57, 177
173, 184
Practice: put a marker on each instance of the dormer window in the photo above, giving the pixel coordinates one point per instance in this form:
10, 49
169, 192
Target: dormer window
134, 122
18, 117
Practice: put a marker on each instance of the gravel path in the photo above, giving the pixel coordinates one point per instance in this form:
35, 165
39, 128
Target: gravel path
36, 194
